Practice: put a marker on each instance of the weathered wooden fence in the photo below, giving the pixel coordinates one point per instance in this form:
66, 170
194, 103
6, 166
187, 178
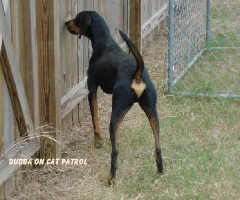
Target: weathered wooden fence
43, 67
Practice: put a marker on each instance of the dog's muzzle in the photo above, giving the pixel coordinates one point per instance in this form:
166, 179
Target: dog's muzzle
73, 29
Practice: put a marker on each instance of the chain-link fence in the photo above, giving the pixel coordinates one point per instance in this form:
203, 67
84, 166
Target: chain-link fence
204, 48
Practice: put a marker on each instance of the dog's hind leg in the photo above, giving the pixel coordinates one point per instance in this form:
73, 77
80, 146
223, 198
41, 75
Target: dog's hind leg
148, 104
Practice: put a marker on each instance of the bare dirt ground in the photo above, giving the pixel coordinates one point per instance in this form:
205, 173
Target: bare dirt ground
89, 181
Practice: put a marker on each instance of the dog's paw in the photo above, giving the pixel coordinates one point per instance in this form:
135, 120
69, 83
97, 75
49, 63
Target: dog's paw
98, 143
160, 172
110, 180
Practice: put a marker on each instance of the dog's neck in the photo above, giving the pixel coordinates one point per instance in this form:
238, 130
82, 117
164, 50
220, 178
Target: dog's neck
99, 33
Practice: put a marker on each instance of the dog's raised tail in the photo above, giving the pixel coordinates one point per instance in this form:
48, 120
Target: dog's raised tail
138, 85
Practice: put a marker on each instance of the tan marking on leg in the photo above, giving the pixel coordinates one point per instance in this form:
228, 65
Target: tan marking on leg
117, 132
97, 137
138, 86
154, 126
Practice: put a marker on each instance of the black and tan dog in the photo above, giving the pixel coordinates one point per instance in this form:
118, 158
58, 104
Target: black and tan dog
119, 74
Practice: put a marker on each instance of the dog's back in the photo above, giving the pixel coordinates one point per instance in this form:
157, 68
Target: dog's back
114, 65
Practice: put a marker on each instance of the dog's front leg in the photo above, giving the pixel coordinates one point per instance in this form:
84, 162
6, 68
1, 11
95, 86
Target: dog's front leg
92, 98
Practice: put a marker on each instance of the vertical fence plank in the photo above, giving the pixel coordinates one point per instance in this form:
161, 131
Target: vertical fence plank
144, 11
25, 57
8, 120
86, 42
135, 23
80, 48
48, 58
8, 134
126, 16
15, 40
89, 6
15, 26
75, 78
9, 124
34, 55
1, 110
80, 61
58, 27
1, 125
69, 60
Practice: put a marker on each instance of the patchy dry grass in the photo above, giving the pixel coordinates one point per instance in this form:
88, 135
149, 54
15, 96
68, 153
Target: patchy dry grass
200, 141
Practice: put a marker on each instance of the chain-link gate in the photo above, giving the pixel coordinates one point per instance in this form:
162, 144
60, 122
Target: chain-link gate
204, 48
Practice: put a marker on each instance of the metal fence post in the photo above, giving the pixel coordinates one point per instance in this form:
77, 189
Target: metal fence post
170, 45
208, 25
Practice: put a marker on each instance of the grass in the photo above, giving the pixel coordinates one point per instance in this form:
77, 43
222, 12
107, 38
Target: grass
200, 143
217, 71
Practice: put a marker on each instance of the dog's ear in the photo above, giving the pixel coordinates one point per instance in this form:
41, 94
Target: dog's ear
89, 20
87, 24
83, 21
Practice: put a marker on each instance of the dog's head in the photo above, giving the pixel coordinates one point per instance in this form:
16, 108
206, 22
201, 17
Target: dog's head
81, 24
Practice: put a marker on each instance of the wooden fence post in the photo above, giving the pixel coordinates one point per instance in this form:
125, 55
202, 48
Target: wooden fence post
48, 30
136, 23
